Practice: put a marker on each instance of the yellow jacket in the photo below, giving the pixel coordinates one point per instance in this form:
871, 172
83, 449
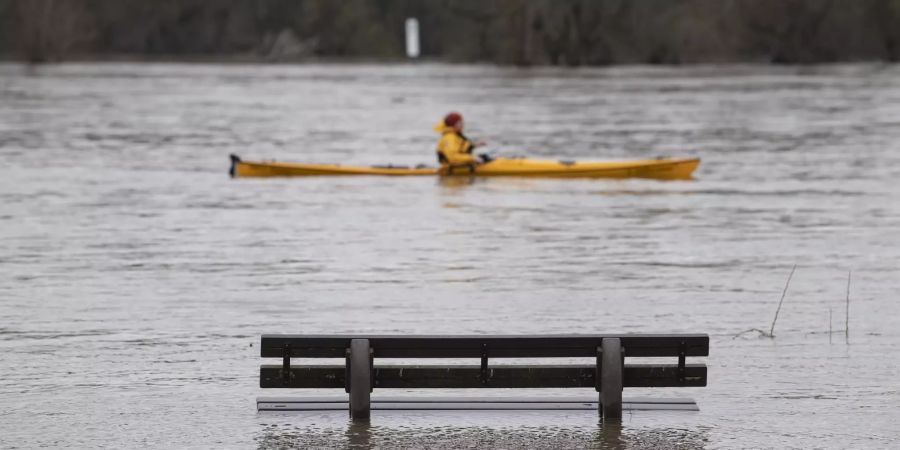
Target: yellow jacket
456, 149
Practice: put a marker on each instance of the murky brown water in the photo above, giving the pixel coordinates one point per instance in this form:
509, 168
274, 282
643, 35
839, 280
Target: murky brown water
136, 277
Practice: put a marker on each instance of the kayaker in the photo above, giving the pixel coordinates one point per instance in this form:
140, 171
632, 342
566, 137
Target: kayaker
454, 149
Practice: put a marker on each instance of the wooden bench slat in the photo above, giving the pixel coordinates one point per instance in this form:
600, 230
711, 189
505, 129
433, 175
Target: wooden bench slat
509, 346
506, 376
466, 403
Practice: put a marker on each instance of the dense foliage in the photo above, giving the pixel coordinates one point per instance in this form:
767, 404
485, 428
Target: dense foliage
573, 32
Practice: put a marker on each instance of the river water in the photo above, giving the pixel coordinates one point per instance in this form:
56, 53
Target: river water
136, 277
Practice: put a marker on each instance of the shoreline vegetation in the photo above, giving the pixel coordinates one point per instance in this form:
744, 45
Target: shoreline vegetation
506, 32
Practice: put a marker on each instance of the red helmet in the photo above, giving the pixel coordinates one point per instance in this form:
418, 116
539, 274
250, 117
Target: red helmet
452, 119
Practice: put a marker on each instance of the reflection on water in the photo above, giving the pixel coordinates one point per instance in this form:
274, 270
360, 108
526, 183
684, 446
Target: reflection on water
456, 182
446, 434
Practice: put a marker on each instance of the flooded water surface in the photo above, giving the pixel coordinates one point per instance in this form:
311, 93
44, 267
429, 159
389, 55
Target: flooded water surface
136, 277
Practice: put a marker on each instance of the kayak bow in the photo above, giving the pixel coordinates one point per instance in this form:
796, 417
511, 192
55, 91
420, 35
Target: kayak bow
661, 169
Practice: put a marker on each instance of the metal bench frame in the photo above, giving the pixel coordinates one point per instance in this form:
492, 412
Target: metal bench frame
359, 375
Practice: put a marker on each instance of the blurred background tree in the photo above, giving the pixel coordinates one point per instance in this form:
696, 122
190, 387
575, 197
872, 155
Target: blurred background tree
522, 32
47, 30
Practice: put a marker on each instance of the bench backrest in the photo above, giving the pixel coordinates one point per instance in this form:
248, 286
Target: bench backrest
508, 346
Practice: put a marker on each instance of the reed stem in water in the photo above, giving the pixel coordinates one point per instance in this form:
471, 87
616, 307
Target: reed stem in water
788, 282
829, 325
847, 318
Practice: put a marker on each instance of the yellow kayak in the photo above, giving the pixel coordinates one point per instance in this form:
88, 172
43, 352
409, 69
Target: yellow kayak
661, 169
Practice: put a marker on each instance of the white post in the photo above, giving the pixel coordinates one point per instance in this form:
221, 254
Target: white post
412, 37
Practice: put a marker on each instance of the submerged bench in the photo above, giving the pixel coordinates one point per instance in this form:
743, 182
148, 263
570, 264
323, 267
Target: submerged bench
359, 375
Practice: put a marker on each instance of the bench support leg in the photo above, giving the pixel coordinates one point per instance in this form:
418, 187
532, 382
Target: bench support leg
611, 379
360, 379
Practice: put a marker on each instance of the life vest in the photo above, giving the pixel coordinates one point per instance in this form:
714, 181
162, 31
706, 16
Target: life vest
453, 148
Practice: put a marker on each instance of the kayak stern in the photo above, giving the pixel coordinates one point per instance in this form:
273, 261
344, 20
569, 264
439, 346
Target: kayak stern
241, 168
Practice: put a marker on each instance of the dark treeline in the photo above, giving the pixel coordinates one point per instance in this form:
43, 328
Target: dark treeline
570, 32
